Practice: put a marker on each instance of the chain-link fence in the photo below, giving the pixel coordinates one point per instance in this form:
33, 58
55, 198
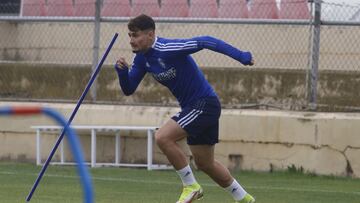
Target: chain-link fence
48, 49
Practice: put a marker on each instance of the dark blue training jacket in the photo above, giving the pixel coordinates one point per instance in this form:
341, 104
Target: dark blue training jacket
170, 63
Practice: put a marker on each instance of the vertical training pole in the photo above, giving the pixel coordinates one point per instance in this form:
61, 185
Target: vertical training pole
93, 76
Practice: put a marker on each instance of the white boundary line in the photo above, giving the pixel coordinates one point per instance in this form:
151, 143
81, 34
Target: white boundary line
179, 183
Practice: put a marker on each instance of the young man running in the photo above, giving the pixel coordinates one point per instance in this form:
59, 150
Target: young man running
170, 63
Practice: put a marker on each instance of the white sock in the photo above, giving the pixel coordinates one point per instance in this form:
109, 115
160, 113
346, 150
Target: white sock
186, 175
236, 190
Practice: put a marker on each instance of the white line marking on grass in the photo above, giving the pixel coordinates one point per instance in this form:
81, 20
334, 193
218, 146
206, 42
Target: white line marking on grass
178, 183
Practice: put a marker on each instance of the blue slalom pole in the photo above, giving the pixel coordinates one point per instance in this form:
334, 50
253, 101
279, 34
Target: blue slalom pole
75, 146
85, 178
93, 76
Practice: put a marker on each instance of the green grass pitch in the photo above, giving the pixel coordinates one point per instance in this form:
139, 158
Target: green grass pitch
124, 185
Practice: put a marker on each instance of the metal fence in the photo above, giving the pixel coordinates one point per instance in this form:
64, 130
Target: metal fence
291, 35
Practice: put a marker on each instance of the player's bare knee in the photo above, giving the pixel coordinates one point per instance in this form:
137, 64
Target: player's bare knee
203, 166
161, 138
158, 138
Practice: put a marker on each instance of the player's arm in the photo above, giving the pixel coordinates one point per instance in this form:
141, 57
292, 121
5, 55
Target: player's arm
190, 46
217, 45
129, 79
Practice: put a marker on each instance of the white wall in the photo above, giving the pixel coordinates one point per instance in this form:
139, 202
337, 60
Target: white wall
323, 143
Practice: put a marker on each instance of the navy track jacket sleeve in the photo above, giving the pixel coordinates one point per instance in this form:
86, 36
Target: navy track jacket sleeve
129, 79
192, 45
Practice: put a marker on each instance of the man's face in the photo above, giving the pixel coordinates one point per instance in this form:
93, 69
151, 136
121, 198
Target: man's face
141, 41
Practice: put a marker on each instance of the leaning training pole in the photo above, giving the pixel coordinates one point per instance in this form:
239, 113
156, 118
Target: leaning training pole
97, 70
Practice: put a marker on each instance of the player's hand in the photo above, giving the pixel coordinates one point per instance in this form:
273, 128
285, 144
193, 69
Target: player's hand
252, 62
121, 63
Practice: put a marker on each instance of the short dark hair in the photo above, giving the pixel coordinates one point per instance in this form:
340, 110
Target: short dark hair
141, 23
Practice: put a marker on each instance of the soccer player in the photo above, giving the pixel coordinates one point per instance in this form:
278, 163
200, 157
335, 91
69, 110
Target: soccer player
170, 63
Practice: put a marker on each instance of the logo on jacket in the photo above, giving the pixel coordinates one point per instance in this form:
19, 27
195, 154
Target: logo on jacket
166, 75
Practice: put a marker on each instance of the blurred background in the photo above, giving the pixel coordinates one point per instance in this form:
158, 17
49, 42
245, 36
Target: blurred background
307, 52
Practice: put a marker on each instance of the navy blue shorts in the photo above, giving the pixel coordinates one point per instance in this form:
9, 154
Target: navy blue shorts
201, 121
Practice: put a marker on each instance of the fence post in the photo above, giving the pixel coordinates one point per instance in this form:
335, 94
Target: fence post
315, 53
96, 46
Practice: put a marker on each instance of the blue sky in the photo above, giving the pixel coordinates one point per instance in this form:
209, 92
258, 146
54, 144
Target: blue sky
351, 2
350, 10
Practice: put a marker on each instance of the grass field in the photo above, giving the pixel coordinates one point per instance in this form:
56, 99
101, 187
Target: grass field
112, 185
